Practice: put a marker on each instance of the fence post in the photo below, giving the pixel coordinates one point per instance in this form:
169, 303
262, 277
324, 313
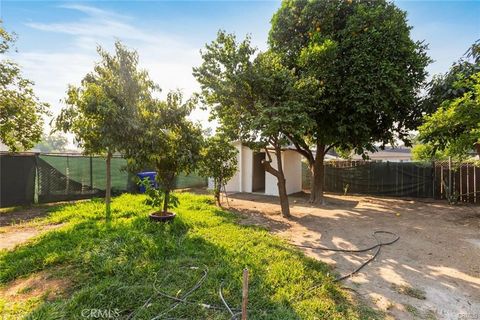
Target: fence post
469, 198
67, 175
450, 174
441, 182
461, 187
91, 173
396, 178
474, 184
434, 178
37, 184
244, 294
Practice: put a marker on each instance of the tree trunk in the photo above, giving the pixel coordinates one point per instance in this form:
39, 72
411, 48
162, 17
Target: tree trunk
108, 188
165, 202
282, 192
312, 182
216, 188
282, 186
318, 172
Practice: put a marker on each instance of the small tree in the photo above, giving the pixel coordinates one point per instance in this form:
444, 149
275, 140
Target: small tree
21, 112
101, 112
218, 162
167, 141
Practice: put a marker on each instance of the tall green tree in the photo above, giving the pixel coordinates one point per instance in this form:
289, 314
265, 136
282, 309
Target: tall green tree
101, 112
218, 162
251, 96
449, 86
451, 129
455, 127
21, 112
167, 141
359, 75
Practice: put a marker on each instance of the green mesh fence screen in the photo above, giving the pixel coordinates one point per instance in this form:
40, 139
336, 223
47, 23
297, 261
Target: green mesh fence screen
403, 179
67, 177
17, 180
30, 178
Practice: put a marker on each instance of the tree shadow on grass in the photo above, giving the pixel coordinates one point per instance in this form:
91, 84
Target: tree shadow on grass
113, 267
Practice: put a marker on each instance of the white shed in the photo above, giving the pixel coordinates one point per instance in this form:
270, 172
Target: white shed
252, 177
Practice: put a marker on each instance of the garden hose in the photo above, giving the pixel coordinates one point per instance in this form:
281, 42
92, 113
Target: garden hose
378, 246
183, 298
234, 315
235, 312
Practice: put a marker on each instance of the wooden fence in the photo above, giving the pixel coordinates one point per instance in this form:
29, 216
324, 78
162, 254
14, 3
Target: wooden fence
462, 178
435, 180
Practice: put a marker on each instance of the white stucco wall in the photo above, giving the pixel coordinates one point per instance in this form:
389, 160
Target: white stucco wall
271, 187
242, 180
292, 168
247, 169
233, 185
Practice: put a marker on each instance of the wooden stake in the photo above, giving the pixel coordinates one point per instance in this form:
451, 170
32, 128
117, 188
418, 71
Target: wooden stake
245, 294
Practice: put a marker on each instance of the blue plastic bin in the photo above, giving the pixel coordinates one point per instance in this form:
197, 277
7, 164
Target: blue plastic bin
151, 176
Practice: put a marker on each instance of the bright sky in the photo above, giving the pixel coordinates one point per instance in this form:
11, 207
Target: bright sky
57, 40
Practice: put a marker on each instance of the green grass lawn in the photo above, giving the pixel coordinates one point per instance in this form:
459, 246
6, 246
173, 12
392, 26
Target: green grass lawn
121, 266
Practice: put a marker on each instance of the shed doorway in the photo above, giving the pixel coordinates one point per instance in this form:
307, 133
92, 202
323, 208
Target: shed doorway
258, 173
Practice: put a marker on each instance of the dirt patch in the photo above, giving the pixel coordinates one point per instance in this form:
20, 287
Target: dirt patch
22, 215
437, 254
12, 236
41, 284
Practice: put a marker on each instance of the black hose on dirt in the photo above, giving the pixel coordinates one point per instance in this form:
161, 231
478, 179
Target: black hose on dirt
378, 246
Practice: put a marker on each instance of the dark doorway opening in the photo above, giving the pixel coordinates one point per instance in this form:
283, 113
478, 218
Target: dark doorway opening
258, 172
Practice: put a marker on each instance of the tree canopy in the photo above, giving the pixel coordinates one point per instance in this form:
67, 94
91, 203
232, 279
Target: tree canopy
452, 129
251, 95
359, 75
21, 112
167, 141
101, 112
455, 126
449, 86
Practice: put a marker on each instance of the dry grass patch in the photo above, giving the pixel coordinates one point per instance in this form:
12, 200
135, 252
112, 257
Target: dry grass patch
41, 284
410, 291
